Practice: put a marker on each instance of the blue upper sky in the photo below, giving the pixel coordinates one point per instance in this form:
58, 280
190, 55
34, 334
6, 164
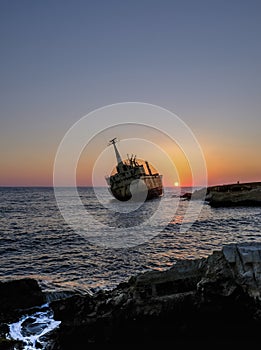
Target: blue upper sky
61, 59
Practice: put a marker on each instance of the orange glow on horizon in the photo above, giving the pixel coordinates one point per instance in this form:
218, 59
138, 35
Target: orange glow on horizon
34, 166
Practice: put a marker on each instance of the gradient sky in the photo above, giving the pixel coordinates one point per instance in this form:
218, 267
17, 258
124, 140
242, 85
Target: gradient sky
63, 59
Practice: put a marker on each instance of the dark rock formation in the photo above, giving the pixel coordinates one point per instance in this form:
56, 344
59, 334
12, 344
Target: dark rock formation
17, 295
196, 301
6, 344
186, 196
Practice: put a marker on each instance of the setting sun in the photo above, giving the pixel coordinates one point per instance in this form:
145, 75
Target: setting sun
176, 184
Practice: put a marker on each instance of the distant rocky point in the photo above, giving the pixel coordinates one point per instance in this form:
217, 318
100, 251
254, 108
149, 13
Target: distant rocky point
239, 194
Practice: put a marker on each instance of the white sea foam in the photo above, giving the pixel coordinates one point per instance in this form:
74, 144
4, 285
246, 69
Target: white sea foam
31, 328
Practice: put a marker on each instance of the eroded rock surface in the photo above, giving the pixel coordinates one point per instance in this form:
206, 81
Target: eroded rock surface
246, 197
217, 298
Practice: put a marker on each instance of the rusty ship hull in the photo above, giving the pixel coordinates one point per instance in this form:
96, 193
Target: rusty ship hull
122, 189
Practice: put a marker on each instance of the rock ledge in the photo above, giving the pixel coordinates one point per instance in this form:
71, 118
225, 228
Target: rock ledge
217, 298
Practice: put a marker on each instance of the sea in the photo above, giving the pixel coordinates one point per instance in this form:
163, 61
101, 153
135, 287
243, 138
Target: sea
37, 241
82, 240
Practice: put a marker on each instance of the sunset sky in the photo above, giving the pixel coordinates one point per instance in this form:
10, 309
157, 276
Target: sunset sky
63, 59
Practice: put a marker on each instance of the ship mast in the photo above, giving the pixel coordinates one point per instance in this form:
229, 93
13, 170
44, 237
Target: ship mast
117, 153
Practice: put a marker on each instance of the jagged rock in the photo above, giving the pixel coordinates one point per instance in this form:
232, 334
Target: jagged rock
19, 294
217, 298
6, 344
245, 262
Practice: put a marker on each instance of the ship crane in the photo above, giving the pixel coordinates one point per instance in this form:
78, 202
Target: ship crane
117, 153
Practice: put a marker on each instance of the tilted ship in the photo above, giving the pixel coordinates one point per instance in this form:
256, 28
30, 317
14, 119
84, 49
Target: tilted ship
127, 178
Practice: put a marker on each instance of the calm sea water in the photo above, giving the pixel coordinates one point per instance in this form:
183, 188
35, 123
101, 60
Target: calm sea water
36, 241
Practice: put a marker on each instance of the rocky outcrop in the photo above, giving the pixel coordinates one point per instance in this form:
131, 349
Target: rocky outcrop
18, 295
244, 197
245, 194
196, 301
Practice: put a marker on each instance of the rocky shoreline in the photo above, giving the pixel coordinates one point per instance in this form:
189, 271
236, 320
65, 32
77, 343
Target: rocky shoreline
215, 299
195, 301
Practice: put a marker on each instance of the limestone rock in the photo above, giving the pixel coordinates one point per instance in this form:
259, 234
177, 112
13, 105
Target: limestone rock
247, 197
195, 301
245, 262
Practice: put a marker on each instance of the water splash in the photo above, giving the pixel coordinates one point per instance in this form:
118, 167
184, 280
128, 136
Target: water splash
31, 329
